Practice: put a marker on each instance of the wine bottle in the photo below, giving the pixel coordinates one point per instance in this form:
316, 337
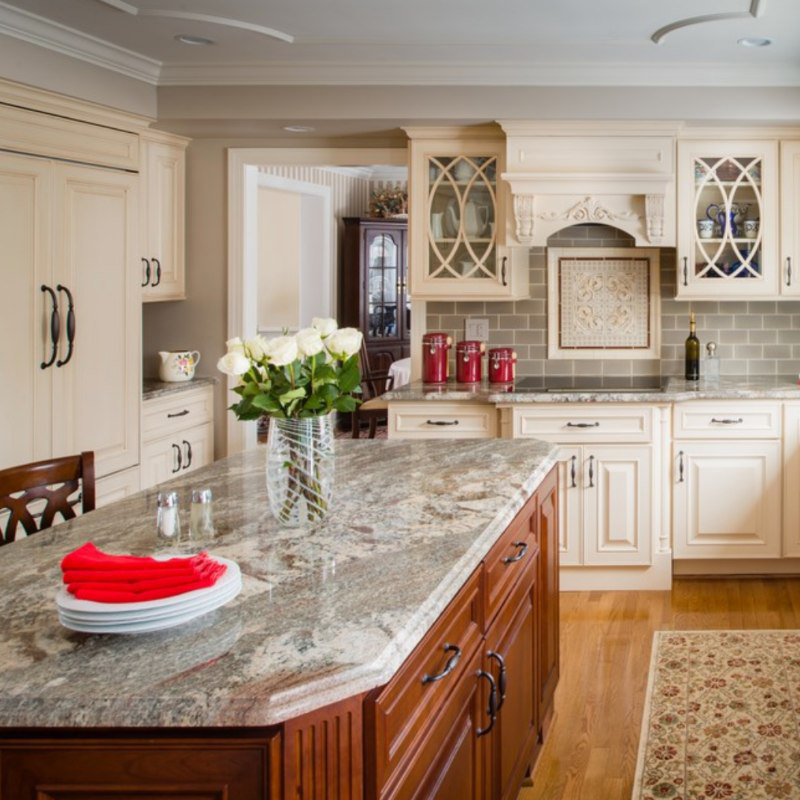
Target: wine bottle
692, 351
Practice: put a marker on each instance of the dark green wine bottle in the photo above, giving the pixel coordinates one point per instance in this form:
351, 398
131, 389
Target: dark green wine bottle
692, 352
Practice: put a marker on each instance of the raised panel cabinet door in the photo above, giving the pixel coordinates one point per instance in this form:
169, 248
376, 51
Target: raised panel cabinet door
570, 505
790, 218
791, 480
549, 636
163, 216
197, 445
116, 487
97, 383
726, 499
26, 311
162, 460
618, 508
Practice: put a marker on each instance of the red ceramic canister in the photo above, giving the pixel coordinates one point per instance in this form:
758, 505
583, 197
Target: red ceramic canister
501, 365
468, 361
434, 357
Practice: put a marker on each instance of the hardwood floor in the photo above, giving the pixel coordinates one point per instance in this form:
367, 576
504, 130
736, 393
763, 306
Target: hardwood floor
590, 753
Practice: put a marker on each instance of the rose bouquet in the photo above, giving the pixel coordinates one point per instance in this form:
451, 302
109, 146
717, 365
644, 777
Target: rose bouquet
298, 381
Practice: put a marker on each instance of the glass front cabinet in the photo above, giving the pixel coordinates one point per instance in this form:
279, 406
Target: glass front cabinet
457, 226
728, 220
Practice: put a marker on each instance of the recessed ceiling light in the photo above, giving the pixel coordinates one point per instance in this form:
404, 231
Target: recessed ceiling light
298, 128
754, 41
188, 38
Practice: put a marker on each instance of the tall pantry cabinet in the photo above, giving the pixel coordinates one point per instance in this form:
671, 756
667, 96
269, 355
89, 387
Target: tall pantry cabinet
70, 352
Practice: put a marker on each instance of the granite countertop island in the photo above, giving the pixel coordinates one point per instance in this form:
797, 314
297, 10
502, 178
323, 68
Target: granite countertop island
674, 390
324, 614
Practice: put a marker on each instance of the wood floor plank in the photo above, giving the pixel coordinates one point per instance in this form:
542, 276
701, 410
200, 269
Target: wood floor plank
606, 637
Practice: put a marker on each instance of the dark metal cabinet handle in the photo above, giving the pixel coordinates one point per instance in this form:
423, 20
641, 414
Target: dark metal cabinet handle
502, 679
70, 325
440, 422
680, 467
491, 711
448, 667
55, 328
180, 458
788, 270
188, 454
523, 548
503, 270
574, 460
158, 271
146, 262
591, 472
583, 424
178, 414
685, 271
727, 421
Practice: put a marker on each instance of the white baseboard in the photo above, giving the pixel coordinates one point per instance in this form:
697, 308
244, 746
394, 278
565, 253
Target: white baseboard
745, 566
656, 577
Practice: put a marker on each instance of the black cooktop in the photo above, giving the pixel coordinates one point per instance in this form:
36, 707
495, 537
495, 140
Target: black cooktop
639, 383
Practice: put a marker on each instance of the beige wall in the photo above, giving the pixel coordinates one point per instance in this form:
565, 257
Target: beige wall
46, 69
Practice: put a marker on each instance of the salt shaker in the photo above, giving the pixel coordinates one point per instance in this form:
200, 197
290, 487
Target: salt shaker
168, 521
711, 366
201, 519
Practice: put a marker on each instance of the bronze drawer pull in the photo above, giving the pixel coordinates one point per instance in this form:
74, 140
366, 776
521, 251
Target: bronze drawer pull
448, 667
738, 421
519, 556
583, 424
178, 414
440, 422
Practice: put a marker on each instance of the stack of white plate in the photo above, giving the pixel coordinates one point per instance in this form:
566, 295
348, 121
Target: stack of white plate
151, 615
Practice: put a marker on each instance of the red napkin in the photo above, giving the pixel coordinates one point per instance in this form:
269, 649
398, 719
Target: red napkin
91, 574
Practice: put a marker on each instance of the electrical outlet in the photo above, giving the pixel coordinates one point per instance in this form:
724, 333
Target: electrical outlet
476, 329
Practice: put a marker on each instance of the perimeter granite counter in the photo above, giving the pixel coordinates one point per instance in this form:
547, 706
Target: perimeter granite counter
153, 388
325, 614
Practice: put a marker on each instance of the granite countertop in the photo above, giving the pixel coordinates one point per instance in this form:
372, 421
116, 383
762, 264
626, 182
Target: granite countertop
323, 615
767, 387
152, 387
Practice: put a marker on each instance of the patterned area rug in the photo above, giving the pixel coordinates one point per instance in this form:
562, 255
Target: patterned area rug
722, 717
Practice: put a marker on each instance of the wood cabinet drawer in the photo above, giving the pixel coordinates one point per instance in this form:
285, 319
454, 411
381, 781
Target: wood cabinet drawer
593, 423
169, 415
750, 419
406, 707
512, 556
435, 420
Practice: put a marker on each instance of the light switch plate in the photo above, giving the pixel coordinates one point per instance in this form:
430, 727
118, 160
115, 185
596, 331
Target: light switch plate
477, 329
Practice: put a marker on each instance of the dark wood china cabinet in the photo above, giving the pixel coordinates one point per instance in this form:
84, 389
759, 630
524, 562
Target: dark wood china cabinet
373, 286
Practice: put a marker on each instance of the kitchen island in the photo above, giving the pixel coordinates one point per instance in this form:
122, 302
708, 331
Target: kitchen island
313, 676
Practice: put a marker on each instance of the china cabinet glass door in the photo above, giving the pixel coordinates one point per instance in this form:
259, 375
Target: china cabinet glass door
384, 283
727, 217
462, 217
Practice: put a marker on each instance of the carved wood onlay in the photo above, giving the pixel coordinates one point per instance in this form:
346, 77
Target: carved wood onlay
523, 217
654, 214
588, 210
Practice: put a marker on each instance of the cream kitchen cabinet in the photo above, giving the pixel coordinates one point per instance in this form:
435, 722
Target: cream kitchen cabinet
728, 220
71, 309
163, 178
791, 479
457, 229
790, 218
178, 434
116, 487
434, 420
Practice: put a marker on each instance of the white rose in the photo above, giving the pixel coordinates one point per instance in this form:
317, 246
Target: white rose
234, 363
256, 347
281, 350
235, 345
325, 325
309, 342
344, 343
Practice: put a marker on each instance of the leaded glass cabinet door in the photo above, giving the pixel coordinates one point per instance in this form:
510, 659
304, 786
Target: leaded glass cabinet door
727, 202
383, 261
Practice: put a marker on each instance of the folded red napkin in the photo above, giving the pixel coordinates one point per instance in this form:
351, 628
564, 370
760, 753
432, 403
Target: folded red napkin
91, 574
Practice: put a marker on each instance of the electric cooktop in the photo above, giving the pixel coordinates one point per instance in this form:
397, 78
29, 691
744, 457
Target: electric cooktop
641, 383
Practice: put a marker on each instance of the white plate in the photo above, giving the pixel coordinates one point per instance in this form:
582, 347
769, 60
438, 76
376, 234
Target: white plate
68, 602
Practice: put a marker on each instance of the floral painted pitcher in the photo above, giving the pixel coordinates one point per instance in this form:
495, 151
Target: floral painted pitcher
178, 365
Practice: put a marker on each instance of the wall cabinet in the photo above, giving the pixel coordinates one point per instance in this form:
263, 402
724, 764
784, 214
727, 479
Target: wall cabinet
163, 192
71, 286
790, 219
457, 230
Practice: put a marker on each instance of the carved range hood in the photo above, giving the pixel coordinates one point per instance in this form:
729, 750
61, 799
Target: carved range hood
562, 174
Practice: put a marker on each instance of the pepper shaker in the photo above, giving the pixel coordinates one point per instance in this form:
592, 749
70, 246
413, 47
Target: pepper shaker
201, 518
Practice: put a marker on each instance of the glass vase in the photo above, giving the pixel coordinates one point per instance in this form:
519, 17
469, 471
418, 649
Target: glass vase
300, 469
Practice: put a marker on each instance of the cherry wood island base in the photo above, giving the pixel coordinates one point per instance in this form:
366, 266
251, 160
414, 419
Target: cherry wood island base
462, 719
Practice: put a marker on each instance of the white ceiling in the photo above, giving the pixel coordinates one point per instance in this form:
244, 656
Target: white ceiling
434, 42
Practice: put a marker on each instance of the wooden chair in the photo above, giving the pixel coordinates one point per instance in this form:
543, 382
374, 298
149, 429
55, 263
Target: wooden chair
373, 385
36, 484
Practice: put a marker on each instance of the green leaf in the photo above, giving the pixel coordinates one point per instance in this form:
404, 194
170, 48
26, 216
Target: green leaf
292, 394
349, 377
345, 403
266, 403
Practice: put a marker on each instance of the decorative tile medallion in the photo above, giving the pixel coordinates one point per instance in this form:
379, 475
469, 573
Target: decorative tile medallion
722, 717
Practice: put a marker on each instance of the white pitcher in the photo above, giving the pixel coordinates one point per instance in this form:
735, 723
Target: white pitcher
476, 218
178, 365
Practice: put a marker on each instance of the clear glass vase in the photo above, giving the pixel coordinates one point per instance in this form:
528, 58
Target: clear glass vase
300, 469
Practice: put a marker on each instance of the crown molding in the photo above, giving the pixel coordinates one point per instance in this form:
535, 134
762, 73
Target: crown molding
59, 38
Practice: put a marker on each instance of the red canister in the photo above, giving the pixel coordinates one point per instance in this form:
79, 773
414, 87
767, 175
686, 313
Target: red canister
434, 357
501, 365
468, 361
